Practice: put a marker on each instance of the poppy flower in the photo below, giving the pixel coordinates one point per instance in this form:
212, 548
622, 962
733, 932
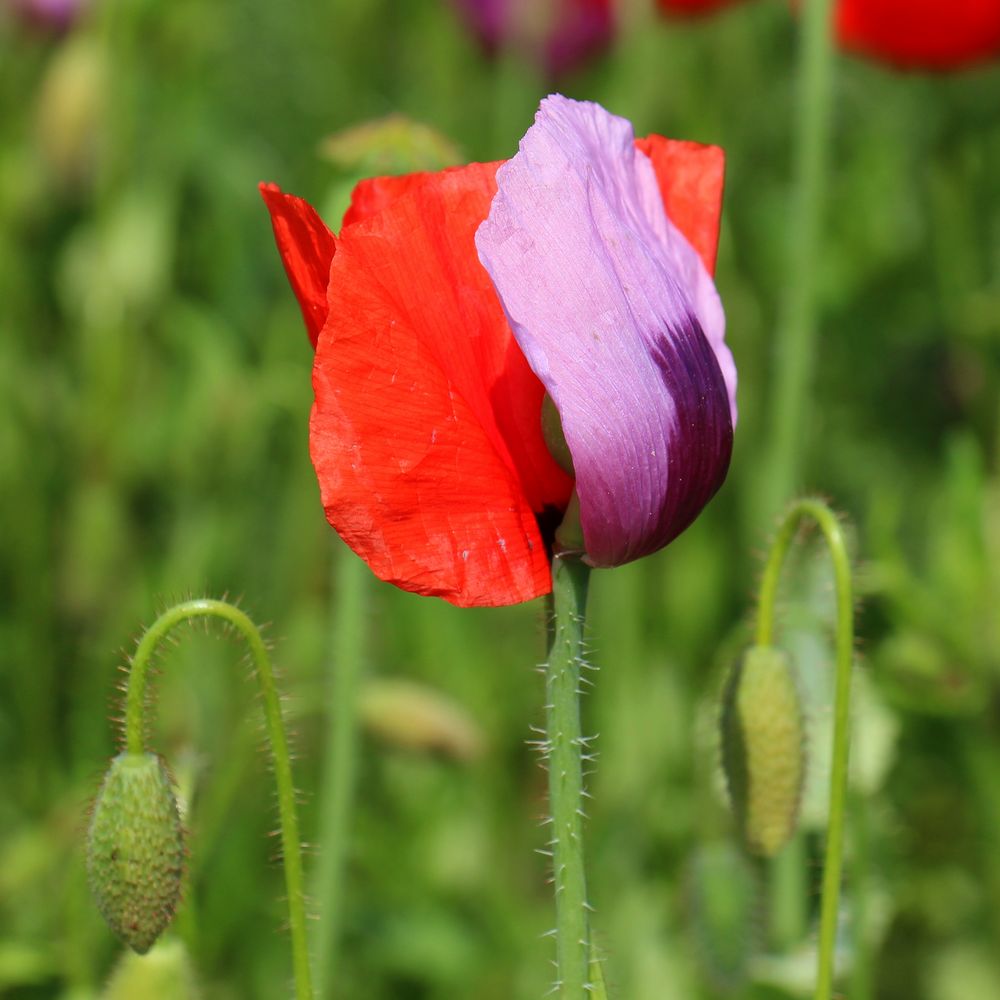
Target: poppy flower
559, 33
451, 302
914, 34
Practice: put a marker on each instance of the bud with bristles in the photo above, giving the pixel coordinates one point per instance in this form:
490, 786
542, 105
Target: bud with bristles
762, 748
135, 849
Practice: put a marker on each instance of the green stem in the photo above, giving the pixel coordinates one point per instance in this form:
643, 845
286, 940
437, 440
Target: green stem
788, 894
565, 744
795, 342
135, 734
340, 765
819, 512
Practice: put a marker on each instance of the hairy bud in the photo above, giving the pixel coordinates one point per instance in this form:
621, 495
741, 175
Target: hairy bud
762, 748
135, 849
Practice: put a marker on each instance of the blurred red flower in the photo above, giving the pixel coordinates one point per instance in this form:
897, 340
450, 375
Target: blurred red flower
913, 34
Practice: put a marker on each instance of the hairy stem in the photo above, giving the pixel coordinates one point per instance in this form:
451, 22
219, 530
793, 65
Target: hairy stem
816, 510
565, 746
135, 743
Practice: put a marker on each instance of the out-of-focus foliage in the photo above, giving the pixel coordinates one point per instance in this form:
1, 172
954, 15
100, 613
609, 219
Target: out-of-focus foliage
154, 399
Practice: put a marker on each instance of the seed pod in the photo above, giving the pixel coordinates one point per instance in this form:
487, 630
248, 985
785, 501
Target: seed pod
762, 748
135, 849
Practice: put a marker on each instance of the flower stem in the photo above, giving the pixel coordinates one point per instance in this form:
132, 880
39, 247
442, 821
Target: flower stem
135, 743
340, 765
795, 343
819, 512
565, 742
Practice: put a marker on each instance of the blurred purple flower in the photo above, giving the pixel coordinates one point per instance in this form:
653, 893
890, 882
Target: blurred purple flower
619, 318
560, 34
54, 15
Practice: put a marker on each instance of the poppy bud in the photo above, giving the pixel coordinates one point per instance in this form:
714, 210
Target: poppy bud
762, 748
135, 849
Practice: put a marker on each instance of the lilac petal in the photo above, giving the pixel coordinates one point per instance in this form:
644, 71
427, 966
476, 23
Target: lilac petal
612, 317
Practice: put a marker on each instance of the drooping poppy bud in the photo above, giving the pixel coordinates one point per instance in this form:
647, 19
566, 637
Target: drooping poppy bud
763, 748
135, 849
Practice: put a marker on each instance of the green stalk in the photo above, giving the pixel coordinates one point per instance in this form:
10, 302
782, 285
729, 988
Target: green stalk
795, 343
565, 745
819, 512
340, 765
135, 739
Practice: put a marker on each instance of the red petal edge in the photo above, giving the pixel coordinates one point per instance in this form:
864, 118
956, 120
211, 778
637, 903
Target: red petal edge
307, 248
691, 178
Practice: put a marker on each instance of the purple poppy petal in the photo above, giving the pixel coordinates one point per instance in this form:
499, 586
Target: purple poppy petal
612, 316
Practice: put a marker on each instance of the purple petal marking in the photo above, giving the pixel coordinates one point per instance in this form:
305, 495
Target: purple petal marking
617, 322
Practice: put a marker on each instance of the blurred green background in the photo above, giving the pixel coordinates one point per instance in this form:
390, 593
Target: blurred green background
154, 397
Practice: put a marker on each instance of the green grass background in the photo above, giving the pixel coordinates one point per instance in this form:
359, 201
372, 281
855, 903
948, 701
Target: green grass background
154, 397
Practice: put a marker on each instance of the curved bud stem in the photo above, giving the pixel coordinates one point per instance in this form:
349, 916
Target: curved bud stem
817, 511
135, 701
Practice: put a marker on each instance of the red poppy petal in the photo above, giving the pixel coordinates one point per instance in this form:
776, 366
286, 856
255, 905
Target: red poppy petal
421, 394
375, 194
691, 178
307, 247
929, 34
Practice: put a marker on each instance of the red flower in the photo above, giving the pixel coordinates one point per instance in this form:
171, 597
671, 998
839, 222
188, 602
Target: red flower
927, 34
916, 34
426, 432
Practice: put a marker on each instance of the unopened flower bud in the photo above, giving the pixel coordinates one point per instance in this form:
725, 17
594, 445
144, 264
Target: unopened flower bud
762, 748
135, 849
